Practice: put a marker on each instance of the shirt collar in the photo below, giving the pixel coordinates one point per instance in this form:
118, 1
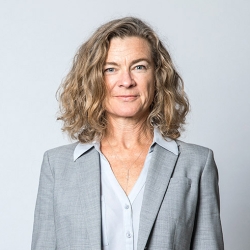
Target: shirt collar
166, 143
81, 148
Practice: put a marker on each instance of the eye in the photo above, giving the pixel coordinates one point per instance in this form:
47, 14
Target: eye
109, 70
140, 67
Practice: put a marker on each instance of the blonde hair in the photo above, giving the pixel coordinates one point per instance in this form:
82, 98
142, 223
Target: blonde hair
82, 93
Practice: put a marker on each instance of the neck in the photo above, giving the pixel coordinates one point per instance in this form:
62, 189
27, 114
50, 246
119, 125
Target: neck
126, 133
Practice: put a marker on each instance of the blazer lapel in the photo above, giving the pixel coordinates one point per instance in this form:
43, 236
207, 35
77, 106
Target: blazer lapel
89, 187
159, 174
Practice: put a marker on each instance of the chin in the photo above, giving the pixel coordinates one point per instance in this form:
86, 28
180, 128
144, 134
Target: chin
126, 112
129, 114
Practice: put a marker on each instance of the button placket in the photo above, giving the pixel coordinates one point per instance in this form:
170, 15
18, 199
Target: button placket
128, 225
126, 206
128, 234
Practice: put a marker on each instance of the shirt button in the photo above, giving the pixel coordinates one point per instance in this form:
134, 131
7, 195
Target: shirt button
126, 206
128, 235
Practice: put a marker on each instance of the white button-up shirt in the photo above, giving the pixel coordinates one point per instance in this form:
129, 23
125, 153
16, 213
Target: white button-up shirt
121, 213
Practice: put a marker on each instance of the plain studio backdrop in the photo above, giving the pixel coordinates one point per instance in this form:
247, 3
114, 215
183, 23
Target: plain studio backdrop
210, 45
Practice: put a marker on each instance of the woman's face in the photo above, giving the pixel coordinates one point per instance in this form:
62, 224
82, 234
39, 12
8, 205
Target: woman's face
129, 78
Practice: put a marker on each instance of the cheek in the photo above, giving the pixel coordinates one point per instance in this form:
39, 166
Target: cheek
110, 81
107, 83
107, 86
151, 91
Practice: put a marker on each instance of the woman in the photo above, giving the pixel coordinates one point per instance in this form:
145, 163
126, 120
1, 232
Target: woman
128, 183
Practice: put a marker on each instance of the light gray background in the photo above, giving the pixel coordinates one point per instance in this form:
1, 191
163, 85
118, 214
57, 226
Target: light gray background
209, 42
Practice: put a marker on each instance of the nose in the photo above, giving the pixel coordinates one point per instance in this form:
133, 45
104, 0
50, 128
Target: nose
126, 80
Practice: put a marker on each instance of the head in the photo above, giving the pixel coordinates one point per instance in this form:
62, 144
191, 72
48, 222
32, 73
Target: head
83, 92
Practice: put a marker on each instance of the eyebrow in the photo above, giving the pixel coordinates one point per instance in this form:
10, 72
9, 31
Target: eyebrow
133, 62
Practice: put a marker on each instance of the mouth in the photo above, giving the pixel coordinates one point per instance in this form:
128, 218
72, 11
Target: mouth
127, 98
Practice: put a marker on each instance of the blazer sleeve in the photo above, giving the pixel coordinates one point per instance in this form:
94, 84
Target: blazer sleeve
207, 233
44, 227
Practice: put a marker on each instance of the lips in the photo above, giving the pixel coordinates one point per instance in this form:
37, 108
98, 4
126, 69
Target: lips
127, 97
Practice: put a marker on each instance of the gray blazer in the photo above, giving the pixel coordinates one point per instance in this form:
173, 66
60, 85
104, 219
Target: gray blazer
180, 209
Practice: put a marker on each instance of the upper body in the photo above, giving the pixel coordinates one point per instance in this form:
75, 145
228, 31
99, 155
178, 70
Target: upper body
180, 208
124, 101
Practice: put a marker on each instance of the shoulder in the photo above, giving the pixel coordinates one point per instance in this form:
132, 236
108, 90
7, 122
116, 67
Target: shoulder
58, 159
61, 153
193, 149
195, 155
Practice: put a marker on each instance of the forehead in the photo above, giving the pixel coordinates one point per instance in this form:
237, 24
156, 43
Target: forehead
129, 47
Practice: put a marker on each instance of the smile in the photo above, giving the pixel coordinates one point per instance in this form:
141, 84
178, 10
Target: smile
127, 98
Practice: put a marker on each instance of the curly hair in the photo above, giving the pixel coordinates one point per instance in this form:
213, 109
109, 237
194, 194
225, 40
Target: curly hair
81, 95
